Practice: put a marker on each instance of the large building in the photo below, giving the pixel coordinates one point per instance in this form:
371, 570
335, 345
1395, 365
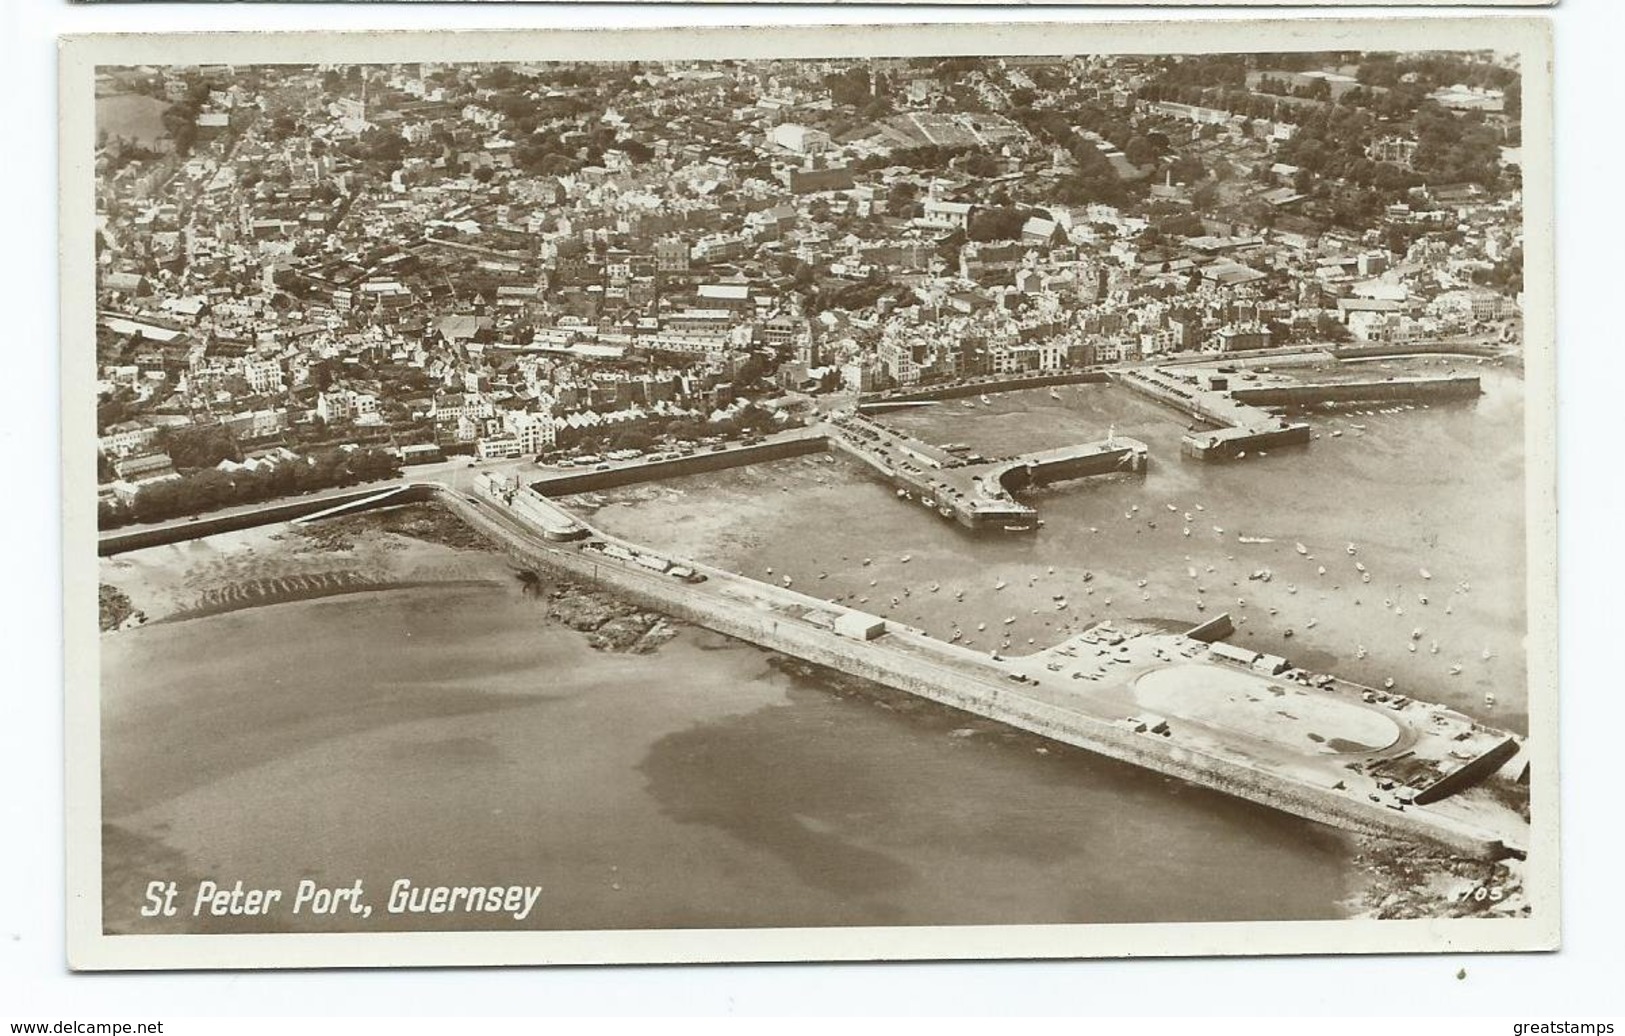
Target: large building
803, 140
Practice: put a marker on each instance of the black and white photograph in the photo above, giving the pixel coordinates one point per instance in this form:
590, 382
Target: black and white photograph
773, 495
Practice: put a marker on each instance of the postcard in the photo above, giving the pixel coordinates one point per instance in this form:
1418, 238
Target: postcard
793, 494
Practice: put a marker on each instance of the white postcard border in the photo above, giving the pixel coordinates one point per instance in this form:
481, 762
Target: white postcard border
90, 949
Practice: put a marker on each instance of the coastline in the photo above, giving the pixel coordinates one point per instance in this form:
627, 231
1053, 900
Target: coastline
1395, 880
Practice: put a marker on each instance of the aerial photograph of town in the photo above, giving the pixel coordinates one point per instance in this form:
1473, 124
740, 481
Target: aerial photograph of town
741, 494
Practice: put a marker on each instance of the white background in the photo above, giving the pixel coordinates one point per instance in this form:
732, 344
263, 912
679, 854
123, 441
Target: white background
1584, 979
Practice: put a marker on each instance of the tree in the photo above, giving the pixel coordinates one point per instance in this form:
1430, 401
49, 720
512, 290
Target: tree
997, 224
199, 446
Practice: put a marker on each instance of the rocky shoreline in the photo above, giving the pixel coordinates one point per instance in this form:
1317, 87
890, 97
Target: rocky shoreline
1408, 881
611, 624
115, 609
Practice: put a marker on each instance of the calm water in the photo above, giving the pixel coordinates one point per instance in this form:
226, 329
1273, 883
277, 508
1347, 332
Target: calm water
452, 736
1437, 488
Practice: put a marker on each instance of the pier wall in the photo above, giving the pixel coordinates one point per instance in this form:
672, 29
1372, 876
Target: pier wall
118, 542
1470, 774
890, 667
1189, 403
1383, 349
1459, 387
698, 463
938, 393
1040, 473
1228, 443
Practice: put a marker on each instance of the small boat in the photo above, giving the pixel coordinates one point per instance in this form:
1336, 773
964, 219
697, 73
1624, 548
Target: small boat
1485, 654
1000, 585
1422, 598
906, 558
968, 405
1411, 647
1424, 573
770, 570
1140, 583
1254, 539
1187, 530
1350, 548
1360, 652
1388, 683
1218, 530
1187, 516
1433, 647
1300, 548
1489, 699
1320, 570
935, 588
980, 626
1337, 433
868, 561
788, 580
986, 401
1310, 624
1009, 620
1455, 670
1359, 566
1199, 507
1054, 394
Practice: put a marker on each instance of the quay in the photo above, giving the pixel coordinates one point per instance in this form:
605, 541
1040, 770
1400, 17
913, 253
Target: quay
1243, 416
976, 492
1238, 426
1187, 705
896, 399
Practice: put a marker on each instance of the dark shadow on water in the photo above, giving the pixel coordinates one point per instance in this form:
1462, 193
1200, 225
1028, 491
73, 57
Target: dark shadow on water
733, 776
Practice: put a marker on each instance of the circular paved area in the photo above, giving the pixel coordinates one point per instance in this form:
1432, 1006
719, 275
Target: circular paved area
1259, 706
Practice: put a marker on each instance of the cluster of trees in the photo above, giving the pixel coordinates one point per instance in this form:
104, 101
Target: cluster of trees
998, 223
926, 156
381, 146
210, 489
180, 118
1093, 179
857, 87
191, 447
